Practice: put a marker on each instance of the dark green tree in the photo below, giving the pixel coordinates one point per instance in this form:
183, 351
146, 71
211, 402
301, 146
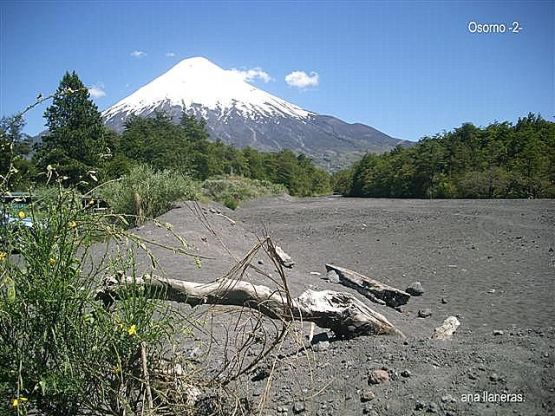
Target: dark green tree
10, 135
14, 152
498, 161
75, 144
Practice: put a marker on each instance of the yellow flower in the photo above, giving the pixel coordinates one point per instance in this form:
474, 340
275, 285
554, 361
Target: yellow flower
52, 261
19, 401
72, 224
3, 256
21, 215
132, 330
117, 369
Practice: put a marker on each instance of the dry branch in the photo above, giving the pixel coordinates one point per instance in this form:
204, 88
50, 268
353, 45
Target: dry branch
375, 291
341, 312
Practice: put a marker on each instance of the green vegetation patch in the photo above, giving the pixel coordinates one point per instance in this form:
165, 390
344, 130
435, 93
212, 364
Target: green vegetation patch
145, 193
232, 190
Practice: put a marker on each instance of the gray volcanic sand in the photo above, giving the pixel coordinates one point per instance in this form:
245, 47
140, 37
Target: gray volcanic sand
491, 261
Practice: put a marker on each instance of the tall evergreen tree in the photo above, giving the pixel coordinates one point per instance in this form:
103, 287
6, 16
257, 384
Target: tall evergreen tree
76, 138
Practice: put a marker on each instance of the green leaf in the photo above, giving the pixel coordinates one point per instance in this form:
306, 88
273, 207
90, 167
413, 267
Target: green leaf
10, 289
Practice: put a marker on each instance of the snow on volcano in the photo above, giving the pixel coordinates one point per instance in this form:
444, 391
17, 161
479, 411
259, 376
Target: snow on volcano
197, 82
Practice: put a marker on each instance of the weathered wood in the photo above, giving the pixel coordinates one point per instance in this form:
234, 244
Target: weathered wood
375, 291
447, 329
284, 258
341, 312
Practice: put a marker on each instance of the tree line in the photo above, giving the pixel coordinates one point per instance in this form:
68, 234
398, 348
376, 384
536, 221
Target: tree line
78, 149
501, 160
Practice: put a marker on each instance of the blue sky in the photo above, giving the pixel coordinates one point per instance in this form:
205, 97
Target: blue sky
407, 68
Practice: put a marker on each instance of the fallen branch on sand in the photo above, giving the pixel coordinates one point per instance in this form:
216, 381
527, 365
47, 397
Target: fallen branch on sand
341, 312
375, 291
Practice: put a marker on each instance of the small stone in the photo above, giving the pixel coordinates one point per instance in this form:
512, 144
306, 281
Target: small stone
261, 262
450, 413
498, 332
432, 408
419, 405
494, 377
406, 373
332, 276
366, 395
448, 399
424, 313
378, 377
443, 300
298, 407
491, 291
195, 353
321, 346
369, 410
315, 273
415, 289
260, 374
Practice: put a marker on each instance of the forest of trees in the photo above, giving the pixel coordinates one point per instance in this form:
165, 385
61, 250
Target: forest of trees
80, 149
501, 160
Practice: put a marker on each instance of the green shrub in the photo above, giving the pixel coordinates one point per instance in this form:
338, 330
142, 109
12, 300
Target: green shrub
62, 352
232, 190
145, 193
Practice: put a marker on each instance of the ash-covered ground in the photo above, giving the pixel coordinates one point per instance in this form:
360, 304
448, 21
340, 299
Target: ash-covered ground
491, 263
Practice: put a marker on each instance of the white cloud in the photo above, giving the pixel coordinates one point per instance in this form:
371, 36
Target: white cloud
97, 91
301, 79
252, 74
170, 54
138, 54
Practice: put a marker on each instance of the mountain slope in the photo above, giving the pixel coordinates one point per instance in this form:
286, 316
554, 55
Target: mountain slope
241, 114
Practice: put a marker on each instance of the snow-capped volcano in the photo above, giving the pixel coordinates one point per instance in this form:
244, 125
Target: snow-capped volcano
241, 114
199, 82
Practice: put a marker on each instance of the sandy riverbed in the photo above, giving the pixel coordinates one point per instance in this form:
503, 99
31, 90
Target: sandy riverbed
492, 263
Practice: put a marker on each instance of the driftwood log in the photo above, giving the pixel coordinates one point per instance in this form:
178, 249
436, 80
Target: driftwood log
341, 312
375, 291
